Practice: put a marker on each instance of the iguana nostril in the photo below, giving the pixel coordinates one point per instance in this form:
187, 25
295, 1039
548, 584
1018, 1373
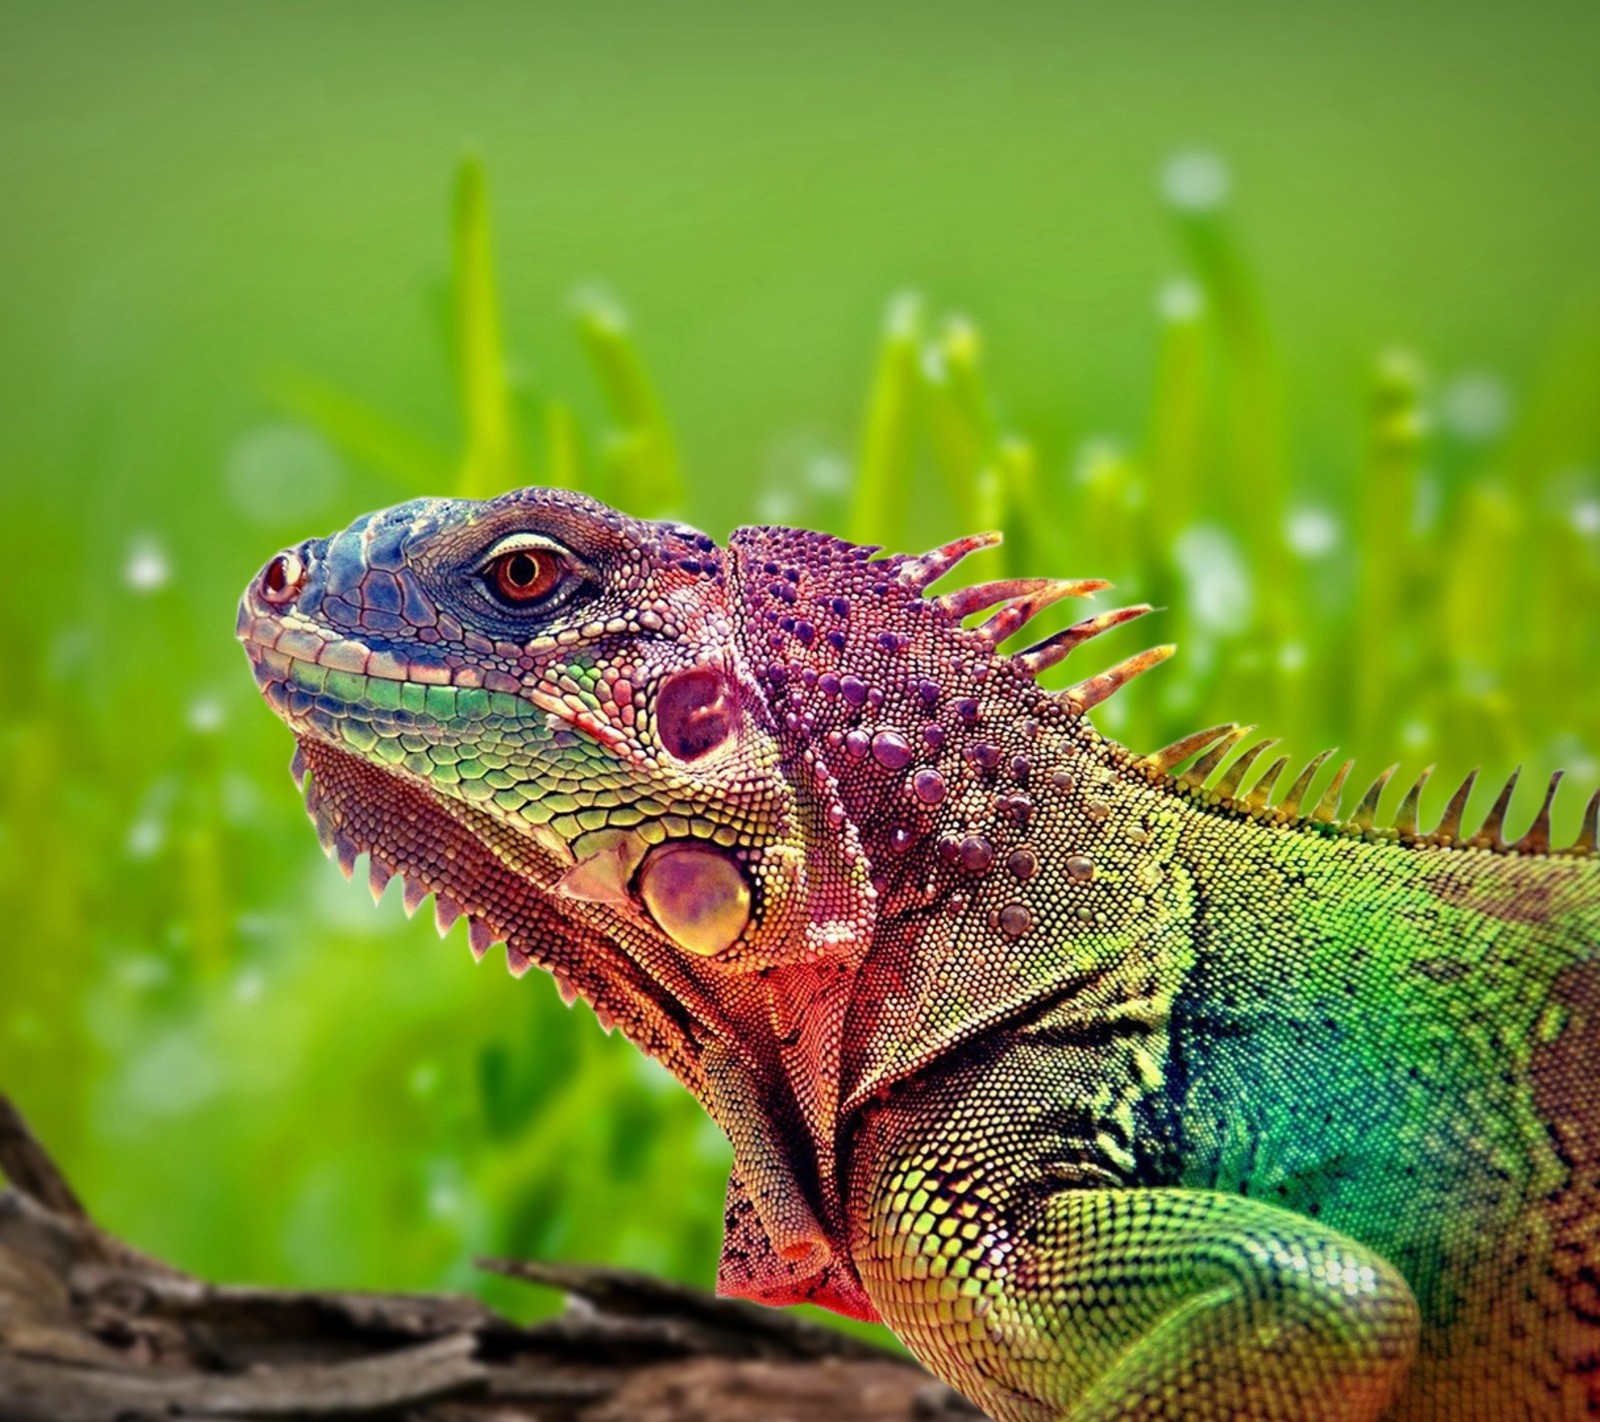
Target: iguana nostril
694, 712
282, 577
697, 896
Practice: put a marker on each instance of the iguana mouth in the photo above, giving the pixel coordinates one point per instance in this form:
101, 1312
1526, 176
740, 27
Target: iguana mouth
694, 892
311, 681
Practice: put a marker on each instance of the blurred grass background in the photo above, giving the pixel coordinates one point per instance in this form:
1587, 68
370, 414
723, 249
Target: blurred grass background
1288, 321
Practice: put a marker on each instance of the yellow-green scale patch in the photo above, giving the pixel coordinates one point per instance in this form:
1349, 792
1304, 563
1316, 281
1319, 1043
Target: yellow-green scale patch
1355, 1044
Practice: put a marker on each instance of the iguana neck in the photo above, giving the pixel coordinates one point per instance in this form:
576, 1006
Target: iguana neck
1275, 893
1008, 848
1054, 872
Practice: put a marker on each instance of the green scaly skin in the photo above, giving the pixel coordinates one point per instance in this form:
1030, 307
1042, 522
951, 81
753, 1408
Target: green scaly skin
1113, 1091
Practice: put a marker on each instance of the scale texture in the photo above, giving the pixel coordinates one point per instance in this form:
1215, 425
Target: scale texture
1117, 1085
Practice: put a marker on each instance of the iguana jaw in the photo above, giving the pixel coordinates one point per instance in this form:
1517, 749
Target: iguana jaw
509, 878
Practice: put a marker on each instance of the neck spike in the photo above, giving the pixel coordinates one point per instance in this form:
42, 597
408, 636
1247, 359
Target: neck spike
1203, 769
922, 572
1259, 800
1020, 611
1234, 776
1086, 695
1406, 817
1289, 806
1327, 811
1169, 758
1366, 813
1450, 822
1588, 840
963, 602
1492, 833
1537, 839
1045, 654
1213, 750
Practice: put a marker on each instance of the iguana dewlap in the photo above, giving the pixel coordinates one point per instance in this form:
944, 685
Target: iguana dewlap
1115, 1092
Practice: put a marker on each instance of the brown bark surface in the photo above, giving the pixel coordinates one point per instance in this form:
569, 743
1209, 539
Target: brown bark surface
91, 1330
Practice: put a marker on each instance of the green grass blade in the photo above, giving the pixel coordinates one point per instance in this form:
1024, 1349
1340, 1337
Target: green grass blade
888, 444
1174, 459
1249, 384
1105, 497
1475, 617
1251, 499
961, 425
642, 454
1177, 418
961, 348
1029, 533
1554, 452
489, 463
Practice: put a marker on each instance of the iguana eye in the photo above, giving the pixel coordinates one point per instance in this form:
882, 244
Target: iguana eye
521, 576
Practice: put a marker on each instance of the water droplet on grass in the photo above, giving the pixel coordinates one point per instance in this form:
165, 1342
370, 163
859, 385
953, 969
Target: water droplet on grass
1196, 180
1475, 406
1415, 734
1219, 592
279, 473
145, 838
205, 715
146, 569
1312, 532
1180, 300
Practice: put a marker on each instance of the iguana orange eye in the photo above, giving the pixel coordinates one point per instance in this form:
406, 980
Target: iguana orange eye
525, 575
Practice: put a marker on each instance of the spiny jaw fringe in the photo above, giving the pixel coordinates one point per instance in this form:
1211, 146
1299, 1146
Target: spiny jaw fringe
344, 851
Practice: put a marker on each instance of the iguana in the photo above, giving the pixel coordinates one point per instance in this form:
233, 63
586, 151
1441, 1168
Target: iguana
1115, 1088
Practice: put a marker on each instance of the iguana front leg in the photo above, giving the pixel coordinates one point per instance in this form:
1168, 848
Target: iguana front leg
985, 1242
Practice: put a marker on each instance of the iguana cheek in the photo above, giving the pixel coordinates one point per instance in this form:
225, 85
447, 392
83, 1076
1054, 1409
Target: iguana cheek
697, 896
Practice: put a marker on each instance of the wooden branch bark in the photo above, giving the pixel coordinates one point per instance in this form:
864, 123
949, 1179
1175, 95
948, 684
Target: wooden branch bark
91, 1330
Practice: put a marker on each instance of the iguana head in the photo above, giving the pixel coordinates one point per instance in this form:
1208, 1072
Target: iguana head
710, 760
572, 685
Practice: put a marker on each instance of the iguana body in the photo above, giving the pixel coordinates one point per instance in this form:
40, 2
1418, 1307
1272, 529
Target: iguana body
1114, 1095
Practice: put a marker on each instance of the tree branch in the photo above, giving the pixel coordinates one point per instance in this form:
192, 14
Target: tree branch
91, 1330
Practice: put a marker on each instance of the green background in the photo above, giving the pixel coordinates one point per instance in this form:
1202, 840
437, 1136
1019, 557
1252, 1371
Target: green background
1299, 309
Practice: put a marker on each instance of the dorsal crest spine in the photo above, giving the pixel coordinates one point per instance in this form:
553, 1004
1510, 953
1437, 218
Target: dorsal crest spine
1210, 750
1018, 601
